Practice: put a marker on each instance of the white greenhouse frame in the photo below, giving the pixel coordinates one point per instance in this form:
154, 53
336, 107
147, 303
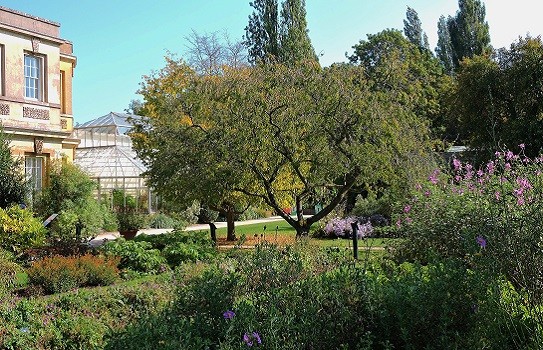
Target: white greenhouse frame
105, 153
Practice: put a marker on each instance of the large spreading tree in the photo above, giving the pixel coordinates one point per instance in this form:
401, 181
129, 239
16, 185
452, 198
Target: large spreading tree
285, 135
185, 161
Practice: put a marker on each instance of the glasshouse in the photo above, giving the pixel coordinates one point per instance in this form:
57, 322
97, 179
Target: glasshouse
105, 152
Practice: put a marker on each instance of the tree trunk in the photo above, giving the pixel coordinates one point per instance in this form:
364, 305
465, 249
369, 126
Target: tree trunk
231, 228
299, 210
213, 230
302, 229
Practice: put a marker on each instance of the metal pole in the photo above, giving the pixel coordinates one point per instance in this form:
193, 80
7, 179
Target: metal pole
354, 225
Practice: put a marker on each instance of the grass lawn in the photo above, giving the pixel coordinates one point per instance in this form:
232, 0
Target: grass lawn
255, 234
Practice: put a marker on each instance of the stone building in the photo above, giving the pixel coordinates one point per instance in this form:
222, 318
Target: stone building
36, 71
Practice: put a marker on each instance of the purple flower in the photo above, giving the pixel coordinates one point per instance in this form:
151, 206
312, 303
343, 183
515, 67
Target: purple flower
457, 164
433, 178
490, 167
256, 336
509, 155
251, 338
522, 146
407, 209
481, 241
228, 314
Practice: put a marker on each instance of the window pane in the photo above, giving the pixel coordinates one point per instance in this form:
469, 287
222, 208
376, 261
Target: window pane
32, 77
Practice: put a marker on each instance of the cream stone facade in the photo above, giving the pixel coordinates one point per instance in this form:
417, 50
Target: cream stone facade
36, 72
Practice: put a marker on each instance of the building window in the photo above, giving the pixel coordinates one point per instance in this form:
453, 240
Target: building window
33, 77
62, 93
34, 172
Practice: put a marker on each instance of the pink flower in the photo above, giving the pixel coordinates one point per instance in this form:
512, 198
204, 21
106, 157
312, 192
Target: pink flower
407, 209
490, 167
399, 223
408, 220
480, 173
522, 146
520, 200
427, 193
457, 164
507, 166
509, 155
497, 195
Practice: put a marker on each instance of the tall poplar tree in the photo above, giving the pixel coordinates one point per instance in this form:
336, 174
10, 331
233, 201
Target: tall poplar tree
467, 32
282, 36
295, 42
262, 32
412, 28
444, 49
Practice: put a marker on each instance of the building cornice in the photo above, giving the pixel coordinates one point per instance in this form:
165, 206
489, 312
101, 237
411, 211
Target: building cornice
23, 131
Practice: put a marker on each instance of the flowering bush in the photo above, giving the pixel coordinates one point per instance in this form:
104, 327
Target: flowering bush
488, 217
342, 227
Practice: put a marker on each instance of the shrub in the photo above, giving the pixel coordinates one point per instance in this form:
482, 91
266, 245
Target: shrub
342, 227
9, 271
60, 274
161, 220
488, 218
20, 230
85, 319
14, 188
69, 193
135, 255
129, 220
373, 204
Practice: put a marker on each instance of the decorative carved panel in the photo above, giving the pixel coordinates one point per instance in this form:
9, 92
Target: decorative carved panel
64, 124
4, 109
35, 45
35, 113
38, 145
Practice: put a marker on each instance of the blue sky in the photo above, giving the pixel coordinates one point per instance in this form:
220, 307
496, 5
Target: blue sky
118, 41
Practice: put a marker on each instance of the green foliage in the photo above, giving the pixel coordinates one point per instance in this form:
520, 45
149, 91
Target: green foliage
412, 28
488, 219
372, 204
69, 193
136, 256
14, 188
9, 272
131, 220
496, 104
410, 76
58, 274
161, 220
152, 253
20, 230
444, 50
466, 36
122, 200
86, 319
273, 35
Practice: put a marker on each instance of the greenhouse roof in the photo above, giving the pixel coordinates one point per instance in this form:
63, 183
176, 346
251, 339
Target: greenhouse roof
113, 119
105, 151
